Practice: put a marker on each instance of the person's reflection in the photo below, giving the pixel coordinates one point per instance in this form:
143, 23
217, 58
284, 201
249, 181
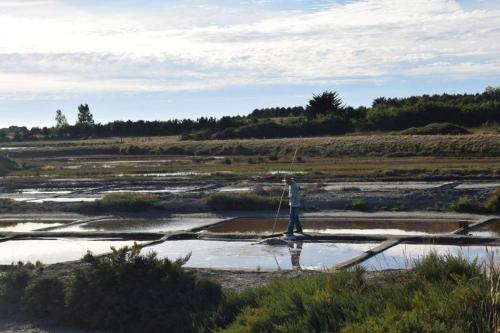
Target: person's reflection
295, 251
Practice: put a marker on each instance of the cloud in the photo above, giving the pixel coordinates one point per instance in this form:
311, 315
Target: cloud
77, 50
18, 4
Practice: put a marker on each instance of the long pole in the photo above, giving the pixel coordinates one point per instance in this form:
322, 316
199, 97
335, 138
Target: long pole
283, 193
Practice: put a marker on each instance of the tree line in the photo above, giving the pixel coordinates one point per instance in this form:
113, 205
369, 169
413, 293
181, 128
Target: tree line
325, 114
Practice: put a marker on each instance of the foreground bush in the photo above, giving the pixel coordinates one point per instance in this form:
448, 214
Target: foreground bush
241, 201
129, 292
435, 129
443, 294
12, 286
122, 292
126, 202
44, 298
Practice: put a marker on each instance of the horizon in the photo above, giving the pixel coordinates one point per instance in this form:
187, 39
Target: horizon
74, 114
156, 60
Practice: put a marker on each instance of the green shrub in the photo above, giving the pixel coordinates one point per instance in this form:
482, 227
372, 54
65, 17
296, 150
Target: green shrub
435, 129
132, 150
9, 205
357, 204
444, 295
126, 202
44, 298
493, 203
466, 204
436, 268
129, 292
6, 165
241, 201
12, 285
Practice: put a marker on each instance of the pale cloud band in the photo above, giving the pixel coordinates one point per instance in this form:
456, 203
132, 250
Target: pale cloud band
50, 48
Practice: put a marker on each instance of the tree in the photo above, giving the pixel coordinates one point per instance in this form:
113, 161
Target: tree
328, 103
492, 92
61, 120
85, 118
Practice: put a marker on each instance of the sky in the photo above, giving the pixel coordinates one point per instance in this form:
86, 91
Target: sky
165, 59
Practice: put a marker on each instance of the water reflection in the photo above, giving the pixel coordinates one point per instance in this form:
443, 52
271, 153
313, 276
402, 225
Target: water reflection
295, 249
490, 230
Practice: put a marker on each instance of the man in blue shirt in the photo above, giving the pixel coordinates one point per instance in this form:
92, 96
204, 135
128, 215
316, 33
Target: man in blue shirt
294, 197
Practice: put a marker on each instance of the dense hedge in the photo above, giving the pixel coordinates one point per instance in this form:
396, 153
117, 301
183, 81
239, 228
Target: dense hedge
436, 128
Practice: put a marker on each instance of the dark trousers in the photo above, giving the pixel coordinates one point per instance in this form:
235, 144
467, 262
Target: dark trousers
294, 221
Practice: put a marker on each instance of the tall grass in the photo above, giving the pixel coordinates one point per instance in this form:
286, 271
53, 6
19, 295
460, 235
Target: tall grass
468, 204
442, 294
241, 201
125, 202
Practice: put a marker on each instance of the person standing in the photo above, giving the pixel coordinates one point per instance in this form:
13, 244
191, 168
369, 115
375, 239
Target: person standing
294, 197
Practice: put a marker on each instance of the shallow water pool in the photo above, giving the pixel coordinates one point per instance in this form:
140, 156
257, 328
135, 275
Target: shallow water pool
142, 225
54, 250
341, 226
25, 226
244, 255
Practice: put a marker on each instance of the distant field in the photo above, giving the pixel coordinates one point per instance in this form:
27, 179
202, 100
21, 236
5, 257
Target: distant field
244, 166
351, 156
475, 145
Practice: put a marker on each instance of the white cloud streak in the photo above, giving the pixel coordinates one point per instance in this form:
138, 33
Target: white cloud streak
53, 48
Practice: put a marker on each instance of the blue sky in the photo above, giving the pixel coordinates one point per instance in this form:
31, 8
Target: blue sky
167, 59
